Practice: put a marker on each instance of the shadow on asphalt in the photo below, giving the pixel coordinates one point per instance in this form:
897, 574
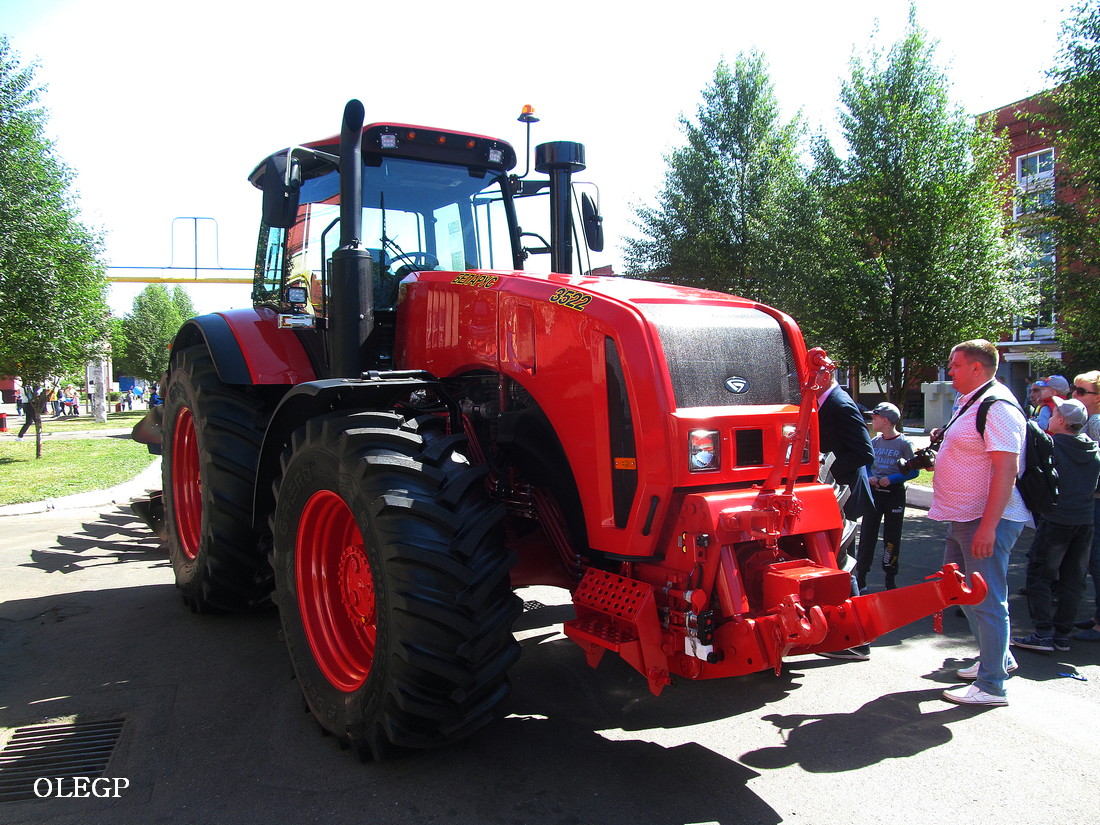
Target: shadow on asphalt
890, 727
117, 537
216, 730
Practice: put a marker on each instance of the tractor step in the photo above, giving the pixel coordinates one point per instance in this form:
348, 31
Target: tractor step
613, 595
619, 614
602, 632
608, 610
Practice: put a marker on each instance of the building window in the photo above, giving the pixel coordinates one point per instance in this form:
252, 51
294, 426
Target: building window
1039, 268
1035, 167
1034, 183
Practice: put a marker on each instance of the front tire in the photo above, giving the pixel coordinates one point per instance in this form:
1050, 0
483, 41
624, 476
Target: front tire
213, 433
392, 582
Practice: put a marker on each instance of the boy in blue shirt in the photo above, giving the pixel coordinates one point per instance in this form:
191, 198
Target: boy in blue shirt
888, 496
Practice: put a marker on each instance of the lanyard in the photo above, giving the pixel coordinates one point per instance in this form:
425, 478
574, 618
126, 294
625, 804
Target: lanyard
978, 394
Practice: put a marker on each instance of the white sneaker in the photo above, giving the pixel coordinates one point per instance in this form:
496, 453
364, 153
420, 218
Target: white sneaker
969, 674
973, 695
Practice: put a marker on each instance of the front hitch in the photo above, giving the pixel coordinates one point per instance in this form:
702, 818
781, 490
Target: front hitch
862, 619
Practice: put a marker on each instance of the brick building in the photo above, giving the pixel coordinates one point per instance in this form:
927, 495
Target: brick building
1032, 168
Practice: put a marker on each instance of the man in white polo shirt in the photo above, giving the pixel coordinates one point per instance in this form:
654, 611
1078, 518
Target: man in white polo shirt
974, 490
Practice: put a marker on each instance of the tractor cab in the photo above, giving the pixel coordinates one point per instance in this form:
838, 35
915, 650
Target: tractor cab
430, 200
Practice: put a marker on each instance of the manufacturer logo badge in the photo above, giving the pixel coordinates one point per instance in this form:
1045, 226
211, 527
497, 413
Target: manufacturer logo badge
737, 385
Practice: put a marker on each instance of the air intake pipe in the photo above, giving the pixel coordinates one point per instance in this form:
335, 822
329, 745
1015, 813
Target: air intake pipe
351, 298
560, 159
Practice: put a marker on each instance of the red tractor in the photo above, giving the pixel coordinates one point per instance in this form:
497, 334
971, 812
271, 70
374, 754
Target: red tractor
407, 426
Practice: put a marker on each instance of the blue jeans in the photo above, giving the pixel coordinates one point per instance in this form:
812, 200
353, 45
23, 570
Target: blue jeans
988, 619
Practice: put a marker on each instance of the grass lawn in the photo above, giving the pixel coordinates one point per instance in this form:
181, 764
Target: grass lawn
77, 465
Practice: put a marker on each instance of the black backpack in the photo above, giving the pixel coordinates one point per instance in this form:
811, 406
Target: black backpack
1038, 484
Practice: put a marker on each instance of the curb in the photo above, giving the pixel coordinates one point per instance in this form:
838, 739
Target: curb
918, 497
147, 479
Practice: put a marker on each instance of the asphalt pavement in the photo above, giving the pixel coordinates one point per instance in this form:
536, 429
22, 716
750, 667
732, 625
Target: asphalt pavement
199, 718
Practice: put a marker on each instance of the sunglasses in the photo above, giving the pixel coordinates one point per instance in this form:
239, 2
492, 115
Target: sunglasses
1083, 391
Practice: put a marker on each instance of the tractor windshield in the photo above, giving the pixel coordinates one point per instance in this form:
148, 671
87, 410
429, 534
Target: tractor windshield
416, 216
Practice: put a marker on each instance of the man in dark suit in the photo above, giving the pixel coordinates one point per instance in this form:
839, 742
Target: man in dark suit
843, 432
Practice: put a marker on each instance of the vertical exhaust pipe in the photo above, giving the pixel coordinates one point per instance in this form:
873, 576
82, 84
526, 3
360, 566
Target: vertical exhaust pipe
351, 299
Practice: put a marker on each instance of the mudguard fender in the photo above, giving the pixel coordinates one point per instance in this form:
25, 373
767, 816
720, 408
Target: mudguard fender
248, 347
375, 391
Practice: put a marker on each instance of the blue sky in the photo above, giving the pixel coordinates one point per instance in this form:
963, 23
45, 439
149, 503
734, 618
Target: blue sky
163, 109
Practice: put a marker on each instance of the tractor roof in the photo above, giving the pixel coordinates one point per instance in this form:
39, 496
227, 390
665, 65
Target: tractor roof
403, 141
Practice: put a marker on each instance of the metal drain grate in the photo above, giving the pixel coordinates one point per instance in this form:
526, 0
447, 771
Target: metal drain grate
532, 605
55, 751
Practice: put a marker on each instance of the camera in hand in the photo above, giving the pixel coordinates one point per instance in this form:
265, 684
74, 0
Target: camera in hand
923, 459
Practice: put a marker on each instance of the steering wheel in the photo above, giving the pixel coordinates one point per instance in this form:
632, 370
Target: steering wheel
416, 260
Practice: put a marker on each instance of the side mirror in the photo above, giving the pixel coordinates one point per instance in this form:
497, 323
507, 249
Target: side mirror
282, 186
593, 223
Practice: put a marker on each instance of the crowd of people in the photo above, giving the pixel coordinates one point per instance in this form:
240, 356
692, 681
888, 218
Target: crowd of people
979, 457
61, 401
56, 400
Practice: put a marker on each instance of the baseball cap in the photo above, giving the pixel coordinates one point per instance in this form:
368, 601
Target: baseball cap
888, 411
1058, 383
1073, 411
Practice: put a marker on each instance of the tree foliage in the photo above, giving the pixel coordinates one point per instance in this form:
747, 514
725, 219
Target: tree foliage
913, 250
887, 253
716, 223
53, 311
142, 338
1075, 215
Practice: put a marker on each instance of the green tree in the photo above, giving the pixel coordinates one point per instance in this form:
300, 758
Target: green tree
1074, 218
53, 309
143, 337
911, 233
716, 224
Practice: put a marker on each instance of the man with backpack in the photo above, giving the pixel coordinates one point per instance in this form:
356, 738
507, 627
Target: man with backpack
1063, 536
974, 490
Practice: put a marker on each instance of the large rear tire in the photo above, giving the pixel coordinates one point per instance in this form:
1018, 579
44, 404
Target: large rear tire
212, 438
392, 581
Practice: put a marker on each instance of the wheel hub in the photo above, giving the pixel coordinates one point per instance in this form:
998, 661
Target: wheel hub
356, 585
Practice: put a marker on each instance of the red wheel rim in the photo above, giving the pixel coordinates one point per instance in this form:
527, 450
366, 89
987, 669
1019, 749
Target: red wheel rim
186, 483
335, 591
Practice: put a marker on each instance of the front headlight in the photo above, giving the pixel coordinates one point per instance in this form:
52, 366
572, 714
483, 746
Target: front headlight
704, 451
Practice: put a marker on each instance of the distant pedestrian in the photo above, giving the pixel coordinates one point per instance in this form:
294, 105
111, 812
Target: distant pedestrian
1034, 399
68, 401
1086, 388
1053, 388
32, 416
1063, 537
